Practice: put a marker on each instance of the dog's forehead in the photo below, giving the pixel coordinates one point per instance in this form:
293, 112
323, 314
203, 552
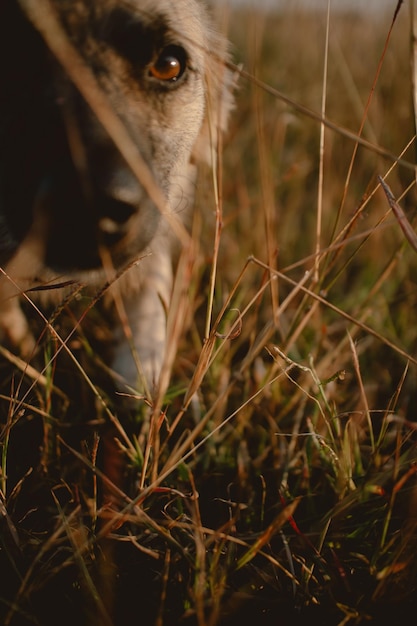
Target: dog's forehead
184, 20
184, 15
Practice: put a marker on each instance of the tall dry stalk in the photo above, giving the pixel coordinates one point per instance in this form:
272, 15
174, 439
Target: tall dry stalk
413, 55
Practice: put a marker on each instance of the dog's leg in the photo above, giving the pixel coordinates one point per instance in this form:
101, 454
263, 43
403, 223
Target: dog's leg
139, 357
13, 323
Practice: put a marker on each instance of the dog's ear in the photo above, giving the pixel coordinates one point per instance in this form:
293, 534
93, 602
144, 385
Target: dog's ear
220, 86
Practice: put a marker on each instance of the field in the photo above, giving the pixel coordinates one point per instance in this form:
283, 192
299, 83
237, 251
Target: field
274, 479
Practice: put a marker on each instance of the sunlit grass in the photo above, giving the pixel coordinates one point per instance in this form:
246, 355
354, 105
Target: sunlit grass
273, 477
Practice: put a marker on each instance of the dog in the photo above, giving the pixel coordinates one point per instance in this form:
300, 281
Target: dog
106, 107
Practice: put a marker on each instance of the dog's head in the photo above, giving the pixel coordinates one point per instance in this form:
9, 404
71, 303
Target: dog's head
67, 177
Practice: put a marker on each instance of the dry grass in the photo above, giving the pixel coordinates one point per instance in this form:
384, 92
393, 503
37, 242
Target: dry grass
275, 478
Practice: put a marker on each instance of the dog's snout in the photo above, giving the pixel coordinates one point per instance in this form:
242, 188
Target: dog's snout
116, 211
114, 218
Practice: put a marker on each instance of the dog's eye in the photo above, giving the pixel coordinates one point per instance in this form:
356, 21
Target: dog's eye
170, 64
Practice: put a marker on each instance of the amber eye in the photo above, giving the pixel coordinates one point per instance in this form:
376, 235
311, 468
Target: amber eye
170, 64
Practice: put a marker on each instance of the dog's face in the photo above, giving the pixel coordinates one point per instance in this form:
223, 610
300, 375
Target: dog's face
62, 179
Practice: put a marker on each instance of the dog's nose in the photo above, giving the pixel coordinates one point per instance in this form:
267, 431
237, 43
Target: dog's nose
113, 219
